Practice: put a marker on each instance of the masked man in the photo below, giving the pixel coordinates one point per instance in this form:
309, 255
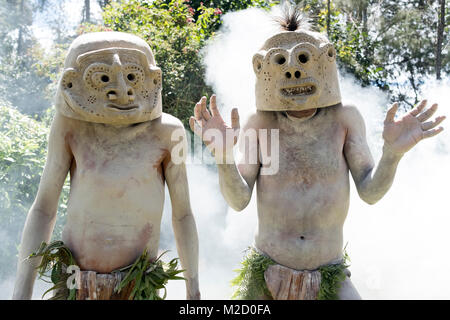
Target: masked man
298, 246
110, 134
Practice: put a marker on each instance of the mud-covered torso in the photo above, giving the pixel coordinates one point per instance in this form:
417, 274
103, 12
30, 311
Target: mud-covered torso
116, 193
302, 208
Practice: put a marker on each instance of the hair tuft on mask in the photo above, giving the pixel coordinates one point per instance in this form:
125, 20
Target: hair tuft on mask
292, 18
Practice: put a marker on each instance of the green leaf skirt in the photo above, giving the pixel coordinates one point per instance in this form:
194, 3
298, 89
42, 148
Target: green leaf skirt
146, 277
251, 285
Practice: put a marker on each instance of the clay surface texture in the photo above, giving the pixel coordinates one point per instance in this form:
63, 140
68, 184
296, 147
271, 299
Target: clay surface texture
296, 71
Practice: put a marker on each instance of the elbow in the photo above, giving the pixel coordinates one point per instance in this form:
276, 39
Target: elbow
369, 198
370, 201
43, 214
239, 204
237, 201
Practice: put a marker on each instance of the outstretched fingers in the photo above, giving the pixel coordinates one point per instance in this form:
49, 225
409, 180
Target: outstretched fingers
198, 111
235, 119
390, 115
418, 109
432, 133
213, 106
431, 124
195, 127
205, 113
427, 113
235, 123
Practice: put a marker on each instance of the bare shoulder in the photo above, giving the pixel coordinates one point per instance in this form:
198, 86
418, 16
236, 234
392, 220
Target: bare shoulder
169, 122
168, 128
166, 124
260, 120
349, 116
62, 124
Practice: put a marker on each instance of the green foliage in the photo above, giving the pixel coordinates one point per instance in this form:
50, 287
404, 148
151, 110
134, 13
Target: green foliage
332, 277
55, 257
250, 280
50, 67
381, 41
23, 144
226, 5
20, 53
149, 277
251, 284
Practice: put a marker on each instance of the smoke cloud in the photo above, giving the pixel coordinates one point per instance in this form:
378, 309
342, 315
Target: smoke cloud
398, 247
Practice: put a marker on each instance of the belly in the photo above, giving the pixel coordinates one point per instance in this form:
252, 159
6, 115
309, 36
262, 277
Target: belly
111, 219
300, 226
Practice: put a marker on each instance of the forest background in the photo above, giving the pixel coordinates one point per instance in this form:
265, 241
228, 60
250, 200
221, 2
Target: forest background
392, 45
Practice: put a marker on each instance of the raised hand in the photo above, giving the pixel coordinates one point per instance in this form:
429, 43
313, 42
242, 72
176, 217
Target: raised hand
210, 126
401, 135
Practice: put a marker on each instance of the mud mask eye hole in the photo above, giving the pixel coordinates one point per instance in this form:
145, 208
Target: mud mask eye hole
134, 74
280, 59
104, 78
303, 58
331, 52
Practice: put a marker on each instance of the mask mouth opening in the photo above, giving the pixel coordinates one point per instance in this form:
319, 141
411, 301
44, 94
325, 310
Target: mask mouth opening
300, 90
122, 108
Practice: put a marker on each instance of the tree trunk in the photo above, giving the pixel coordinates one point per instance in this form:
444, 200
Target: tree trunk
87, 10
20, 38
104, 3
440, 34
328, 18
364, 17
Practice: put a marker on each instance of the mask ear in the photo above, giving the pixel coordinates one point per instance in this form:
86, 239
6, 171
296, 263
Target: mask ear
156, 75
257, 63
68, 77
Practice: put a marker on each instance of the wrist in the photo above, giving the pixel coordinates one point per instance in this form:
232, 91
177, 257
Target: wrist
225, 158
390, 154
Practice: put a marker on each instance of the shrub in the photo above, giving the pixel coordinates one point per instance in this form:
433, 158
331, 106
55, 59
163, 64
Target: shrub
23, 145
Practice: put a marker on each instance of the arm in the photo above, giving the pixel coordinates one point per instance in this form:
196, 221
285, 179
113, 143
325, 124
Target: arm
236, 182
42, 215
183, 222
399, 137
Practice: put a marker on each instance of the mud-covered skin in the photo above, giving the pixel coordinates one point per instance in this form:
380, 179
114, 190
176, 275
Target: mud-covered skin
116, 200
302, 207
110, 134
300, 225
124, 167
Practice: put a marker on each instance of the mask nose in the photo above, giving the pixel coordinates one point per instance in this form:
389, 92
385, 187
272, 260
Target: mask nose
120, 92
293, 74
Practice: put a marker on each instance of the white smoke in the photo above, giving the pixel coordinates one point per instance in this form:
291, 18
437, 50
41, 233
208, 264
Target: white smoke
398, 247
